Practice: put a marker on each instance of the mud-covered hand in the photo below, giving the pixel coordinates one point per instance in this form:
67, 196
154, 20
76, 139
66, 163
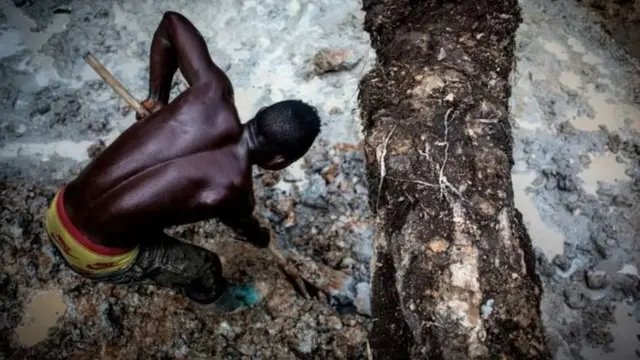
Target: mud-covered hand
287, 268
151, 105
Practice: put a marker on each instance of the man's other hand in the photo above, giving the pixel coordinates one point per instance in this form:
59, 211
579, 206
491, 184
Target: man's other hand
151, 105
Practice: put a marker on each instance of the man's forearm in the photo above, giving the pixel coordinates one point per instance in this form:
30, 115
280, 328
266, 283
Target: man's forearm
163, 64
250, 229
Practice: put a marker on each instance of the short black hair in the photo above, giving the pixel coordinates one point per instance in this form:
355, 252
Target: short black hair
289, 127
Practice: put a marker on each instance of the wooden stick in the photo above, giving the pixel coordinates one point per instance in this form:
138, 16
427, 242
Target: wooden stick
115, 84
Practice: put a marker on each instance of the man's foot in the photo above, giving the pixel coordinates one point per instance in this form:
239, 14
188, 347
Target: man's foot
234, 298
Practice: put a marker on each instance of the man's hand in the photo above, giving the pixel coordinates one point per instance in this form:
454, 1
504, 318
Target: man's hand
151, 105
263, 240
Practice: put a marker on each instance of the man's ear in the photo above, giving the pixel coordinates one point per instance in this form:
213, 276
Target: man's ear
278, 162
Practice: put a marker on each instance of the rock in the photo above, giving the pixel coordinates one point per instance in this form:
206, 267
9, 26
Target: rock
570, 250
314, 194
442, 54
622, 201
566, 183
543, 265
347, 263
603, 249
585, 160
577, 277
94, 150
334, 322
574, 298
361, 189
572, 198
5, 282
328, 60
551, 184
562, 262
20, 130
62, 10
281, 304
112, 315
43, 109
270, 178
613, 142
275, 217
596, 279
19, 3
307, 341
363, 299
539, 180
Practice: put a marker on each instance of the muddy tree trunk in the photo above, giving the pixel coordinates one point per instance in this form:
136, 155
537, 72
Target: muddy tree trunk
454, 275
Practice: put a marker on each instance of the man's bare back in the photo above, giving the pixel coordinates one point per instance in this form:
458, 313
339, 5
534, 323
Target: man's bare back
189, 160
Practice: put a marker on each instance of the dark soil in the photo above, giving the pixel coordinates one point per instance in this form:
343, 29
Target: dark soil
145, 322
621, 19
438, 139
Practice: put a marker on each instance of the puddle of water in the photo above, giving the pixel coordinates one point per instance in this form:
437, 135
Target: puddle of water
543, 237
246, 102
40, 315
576, 45
10, 42
602, 168
570, 80
44, 151
608, 112
591, 59
557, 49
126, 20
625, 340
24, 25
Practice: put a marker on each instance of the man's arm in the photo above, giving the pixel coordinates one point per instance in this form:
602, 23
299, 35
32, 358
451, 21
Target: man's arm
178, 44
244, 220
249, 229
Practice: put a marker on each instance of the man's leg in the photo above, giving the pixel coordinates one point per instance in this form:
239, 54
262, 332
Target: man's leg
195, 270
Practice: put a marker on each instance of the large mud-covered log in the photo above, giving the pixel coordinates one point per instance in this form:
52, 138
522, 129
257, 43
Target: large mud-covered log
454, 276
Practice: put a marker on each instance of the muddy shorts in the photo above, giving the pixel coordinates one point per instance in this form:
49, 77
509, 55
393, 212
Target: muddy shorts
162, 260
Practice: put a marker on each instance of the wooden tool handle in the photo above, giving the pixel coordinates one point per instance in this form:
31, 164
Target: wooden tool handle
115, 84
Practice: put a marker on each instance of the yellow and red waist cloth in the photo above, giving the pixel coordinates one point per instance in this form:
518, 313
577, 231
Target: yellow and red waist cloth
84, 255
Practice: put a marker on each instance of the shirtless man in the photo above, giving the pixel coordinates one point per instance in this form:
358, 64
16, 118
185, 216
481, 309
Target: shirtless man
189, 160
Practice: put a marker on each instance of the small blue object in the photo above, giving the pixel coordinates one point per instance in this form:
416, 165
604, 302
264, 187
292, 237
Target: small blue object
246, 293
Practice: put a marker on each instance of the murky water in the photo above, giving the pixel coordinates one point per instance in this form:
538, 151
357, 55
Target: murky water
625, 337
23, 26
542, 236
40, 315
607, 111
603, 168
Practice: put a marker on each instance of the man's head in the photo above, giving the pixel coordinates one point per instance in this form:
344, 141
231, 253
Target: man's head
282, 133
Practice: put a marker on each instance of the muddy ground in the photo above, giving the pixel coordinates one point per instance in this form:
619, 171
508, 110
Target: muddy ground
120, 322
621, 20
576, 121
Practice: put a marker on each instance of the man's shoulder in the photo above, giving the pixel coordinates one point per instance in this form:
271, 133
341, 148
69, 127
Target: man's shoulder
214, 91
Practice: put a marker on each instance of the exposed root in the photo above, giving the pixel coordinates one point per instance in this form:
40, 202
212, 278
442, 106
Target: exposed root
443, 183
381, 154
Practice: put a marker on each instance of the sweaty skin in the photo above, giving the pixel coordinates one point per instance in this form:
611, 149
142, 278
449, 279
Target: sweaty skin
187, 161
